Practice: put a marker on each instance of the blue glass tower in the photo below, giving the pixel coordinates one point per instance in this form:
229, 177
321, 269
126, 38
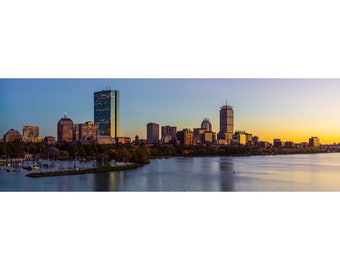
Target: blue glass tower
106, 112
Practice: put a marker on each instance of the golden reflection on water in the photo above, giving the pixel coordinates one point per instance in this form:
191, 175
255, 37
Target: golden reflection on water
113, 179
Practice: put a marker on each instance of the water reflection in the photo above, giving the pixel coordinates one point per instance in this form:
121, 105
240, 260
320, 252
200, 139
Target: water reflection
106, 181
319, 172
180, 174
226, 172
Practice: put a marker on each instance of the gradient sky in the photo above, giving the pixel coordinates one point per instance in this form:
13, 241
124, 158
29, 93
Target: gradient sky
290, 109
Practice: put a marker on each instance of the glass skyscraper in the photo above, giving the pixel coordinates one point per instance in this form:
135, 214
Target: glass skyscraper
106, 112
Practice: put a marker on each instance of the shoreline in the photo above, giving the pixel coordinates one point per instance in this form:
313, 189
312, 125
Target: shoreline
86, 171
241, 155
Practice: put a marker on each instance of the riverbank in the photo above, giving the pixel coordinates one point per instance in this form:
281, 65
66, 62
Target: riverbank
239, 155
86, 171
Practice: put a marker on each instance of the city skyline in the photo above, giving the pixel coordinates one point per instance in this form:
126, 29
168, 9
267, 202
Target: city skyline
289, 109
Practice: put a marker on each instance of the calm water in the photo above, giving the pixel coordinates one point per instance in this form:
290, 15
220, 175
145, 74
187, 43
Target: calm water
319, 172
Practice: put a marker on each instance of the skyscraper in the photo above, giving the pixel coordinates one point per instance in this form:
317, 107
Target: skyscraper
106, 112
152, 133
169, 134
226, 123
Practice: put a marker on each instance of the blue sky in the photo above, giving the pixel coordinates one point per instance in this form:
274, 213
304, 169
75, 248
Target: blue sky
290, 109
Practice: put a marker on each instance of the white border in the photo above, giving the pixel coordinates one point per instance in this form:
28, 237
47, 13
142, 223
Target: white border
178, 39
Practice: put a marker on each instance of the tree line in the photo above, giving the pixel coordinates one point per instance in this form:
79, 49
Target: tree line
139, 154
99, 152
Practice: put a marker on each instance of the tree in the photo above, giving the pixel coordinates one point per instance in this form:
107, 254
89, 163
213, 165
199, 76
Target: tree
124, 155
15, 149
103, 159
112, 153
40, 146
32, 148
64, 155
81, 151
143, 155
3, 150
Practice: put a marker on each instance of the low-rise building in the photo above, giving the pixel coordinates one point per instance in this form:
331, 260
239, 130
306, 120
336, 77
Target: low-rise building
50, 140
242, 137
255, 140
105, 139
289, 144
12, 135
277, 143
264, 144
124, 140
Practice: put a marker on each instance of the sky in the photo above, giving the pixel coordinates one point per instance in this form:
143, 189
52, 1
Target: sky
289, 109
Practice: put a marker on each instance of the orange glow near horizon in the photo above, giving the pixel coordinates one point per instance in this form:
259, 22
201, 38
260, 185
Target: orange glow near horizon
295, 132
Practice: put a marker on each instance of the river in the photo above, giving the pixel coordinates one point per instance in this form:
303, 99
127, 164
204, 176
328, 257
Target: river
315, 172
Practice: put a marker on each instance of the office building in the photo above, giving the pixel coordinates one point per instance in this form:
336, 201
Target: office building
186, 136
65, 129
30, 134
240, 137
152, 133
203, 136
289, 144
12, 135
30, 131
249, 138
124, 140
278, 143
199, 131
198, 135
105, 139
264, 144
209, 137
106, 112
169, 134
255, 140
226, 124
49, 140
314, 142
85, 132
206, 125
